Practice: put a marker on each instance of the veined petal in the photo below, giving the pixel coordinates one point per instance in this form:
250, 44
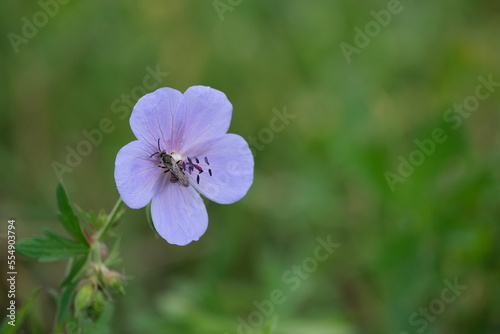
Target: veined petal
179, 214
153, 117
204, 113
136, 174
231, 163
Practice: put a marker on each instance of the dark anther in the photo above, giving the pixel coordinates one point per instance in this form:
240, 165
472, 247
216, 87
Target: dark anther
198, 168
197, 161
210, 172
190, 162
206, 160
198, 179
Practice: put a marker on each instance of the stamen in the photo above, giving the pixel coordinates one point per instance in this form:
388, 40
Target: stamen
198, 179
197, 161
198, 168
210, 172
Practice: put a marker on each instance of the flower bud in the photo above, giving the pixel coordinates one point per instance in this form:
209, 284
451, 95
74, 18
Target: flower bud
111, 279
98, 305
116, 283
84, 297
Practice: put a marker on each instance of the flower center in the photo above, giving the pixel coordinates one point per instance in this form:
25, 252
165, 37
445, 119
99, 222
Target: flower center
177, 167
176, 156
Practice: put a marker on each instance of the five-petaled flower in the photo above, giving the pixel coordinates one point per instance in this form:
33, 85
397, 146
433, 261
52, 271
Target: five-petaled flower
182, 149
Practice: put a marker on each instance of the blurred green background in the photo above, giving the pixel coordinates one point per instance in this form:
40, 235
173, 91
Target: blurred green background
322, 175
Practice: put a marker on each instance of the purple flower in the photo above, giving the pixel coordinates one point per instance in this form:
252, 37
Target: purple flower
182, 149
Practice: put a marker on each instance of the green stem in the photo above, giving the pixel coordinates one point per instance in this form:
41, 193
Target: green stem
111, 217
96, 249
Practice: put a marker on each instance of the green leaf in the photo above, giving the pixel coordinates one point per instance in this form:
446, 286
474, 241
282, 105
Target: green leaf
21, 313
77, 269
98, 326
65, 302
67, 217
88, 216
52, 248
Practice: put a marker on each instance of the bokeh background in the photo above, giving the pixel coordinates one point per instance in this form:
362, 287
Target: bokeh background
322, 175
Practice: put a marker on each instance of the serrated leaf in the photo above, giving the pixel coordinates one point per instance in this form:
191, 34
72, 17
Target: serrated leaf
67, 217
77, 269
52, 248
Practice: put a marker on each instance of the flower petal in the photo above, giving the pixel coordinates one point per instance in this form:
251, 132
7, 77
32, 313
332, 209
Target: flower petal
231, 163
205, 113
153, 117
136, 175
179, 214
